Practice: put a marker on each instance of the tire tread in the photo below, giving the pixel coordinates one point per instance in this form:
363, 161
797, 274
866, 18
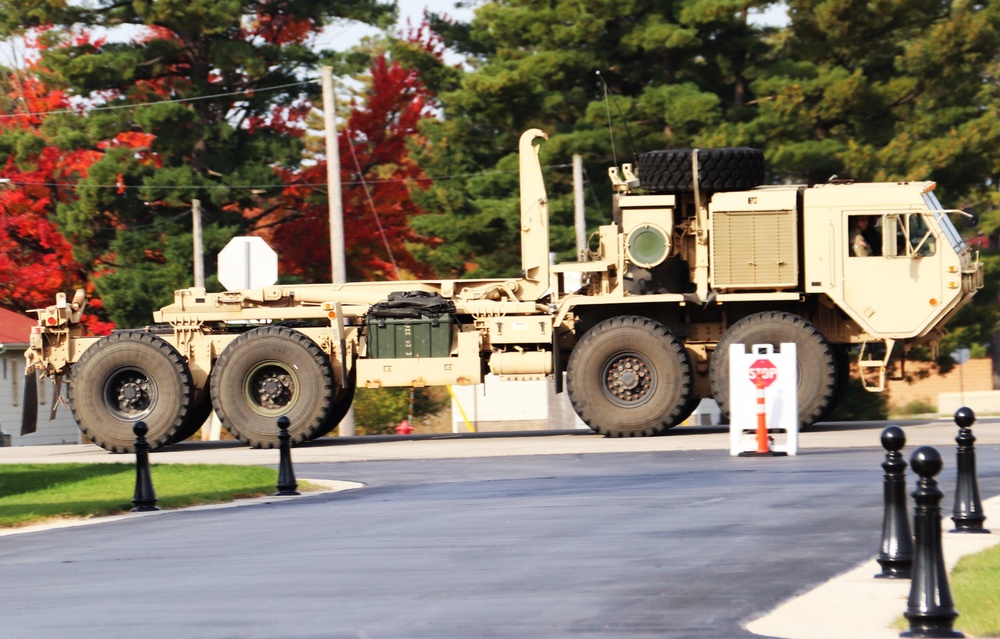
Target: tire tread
800, 327
722, 169
581, 394
92, 356
299, 432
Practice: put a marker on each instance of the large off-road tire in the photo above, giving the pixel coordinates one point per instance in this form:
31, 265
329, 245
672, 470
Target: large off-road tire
629, 377
201, 408
269, 372
817, 371
126, 377
342, 404
842, 362
728, 169
687, 411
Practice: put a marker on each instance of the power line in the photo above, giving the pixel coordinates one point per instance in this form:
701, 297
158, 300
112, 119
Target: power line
458, 176
364, 183
128, 227
146, 104
371, 205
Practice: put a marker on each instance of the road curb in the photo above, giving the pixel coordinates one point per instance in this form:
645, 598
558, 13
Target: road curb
327, 484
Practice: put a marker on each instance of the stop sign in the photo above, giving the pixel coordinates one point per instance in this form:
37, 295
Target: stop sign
247, 262
763, 372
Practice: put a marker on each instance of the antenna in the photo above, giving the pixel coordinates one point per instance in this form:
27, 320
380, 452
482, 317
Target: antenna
607, 92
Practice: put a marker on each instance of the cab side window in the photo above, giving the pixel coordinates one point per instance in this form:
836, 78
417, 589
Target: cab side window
864, 238
919, 237
913, 235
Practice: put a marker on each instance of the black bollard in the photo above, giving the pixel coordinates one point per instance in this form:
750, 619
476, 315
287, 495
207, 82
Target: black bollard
144, 499
929, 607
286, 475
968, 512
896, 557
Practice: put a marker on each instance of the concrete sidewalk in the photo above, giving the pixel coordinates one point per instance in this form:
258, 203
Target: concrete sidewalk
855, 604
940, 433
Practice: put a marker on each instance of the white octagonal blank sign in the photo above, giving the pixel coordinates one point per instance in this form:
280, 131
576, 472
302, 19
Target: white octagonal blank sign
247, 262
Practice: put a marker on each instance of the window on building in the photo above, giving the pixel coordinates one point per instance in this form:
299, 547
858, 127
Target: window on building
15, 382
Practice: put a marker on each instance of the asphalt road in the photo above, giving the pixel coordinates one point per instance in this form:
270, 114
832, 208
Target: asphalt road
687, 544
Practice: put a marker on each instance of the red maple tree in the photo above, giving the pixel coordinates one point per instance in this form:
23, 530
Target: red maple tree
377, 175
36, 261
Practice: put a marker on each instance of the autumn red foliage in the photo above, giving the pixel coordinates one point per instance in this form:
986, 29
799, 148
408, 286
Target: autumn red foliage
36, 261
376, 174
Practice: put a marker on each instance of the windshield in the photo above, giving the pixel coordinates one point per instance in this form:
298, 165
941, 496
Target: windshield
944, 222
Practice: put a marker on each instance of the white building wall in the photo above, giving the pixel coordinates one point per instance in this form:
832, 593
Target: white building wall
981, 402
534, 405
499, 405
62, 430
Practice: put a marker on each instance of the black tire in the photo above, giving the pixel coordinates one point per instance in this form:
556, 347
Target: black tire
629, 377
817, 371
728, 169
689, 408
126, 377
341, 405
269, 372
842, 362
687, 411
200, 410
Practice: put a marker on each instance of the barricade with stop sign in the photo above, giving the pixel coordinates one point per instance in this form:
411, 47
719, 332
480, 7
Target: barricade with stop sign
763, 399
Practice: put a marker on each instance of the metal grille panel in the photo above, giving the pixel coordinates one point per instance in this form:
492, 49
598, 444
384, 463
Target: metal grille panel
754, 250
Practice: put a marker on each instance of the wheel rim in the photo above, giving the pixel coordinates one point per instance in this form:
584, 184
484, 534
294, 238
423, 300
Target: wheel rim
270, 388
628, 380
130, 394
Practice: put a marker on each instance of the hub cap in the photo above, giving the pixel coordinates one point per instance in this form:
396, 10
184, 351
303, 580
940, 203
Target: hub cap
130, 394
628, 380
270, 388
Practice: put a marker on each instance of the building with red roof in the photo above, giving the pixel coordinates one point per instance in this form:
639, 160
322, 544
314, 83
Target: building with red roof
15, 330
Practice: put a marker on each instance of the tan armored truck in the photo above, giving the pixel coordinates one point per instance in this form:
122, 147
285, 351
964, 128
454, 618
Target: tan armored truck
698, 256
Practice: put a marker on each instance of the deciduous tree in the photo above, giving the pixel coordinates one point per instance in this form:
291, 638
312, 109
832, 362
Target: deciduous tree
206, 101
36, 261
377, 176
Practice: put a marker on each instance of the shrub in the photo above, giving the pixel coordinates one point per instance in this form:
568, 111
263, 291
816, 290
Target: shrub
918, 407
857, 404
377, 411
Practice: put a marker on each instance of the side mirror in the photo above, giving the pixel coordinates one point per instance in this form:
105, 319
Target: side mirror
970, 217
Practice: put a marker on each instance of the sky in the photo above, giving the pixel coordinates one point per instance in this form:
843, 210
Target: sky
338, 37
414, 11
343, 36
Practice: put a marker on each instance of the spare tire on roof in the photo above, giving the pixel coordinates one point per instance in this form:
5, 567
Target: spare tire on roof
727, 169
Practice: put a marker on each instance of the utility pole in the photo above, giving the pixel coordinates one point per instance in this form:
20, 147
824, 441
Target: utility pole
338, 263
199, 248
578, 209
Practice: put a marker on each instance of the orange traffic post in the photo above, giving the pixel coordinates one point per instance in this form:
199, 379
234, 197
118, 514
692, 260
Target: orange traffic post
763, 436
763, 444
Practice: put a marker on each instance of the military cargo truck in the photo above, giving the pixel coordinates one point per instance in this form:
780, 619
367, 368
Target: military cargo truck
698, 255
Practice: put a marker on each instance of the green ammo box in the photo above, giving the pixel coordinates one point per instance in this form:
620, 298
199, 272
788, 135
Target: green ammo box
424, 336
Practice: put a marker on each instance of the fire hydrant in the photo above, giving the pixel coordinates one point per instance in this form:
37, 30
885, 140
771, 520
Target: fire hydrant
404, 428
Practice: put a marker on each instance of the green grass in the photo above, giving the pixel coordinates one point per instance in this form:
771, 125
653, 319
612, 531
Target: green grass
34, 493
975, 587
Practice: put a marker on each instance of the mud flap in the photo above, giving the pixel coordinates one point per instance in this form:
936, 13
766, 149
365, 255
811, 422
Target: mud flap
56, 396
557, 367
29, 411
